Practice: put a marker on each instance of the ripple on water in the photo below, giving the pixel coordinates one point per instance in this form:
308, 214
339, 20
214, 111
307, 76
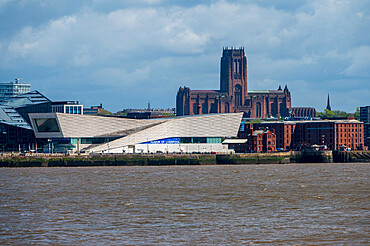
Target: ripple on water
254, 204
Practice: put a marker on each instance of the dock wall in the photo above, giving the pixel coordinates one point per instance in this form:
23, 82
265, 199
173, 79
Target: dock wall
185, 159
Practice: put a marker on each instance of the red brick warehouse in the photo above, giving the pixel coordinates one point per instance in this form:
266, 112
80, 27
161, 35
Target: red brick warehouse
233, 95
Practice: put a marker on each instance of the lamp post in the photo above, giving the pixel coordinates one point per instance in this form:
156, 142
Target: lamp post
4, 136
49, 142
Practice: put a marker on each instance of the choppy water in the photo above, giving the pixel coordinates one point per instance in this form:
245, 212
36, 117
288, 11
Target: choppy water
186, 205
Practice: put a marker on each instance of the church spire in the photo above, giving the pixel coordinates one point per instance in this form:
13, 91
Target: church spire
328, 104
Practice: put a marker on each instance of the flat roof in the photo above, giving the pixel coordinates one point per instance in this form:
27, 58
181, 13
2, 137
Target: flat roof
235, 141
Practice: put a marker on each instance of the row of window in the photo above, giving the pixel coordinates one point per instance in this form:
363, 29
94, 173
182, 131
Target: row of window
260, 149
67, 109
260, 142
200, 140
349, 130
349, 136
213, 109
348, 125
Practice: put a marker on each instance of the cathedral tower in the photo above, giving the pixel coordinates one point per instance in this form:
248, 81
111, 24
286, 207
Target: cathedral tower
233, 77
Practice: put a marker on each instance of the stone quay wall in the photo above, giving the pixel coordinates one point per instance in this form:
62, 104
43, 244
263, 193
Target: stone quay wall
184, 159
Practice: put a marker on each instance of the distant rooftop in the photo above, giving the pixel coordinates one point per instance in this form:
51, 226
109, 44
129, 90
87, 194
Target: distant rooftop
9, 114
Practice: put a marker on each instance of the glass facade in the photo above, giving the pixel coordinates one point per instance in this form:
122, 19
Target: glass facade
68, 109
47, 125
185, 140
97, 140
12, 89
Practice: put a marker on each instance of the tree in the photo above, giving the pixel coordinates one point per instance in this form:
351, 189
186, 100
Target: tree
357, 114
337, 113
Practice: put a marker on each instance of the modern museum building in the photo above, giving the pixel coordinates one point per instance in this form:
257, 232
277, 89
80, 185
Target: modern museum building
100, 134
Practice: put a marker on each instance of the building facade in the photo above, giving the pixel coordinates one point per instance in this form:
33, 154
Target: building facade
98, 134
365, 117
67, 107
262, 141
16, 133
365, 114
12, 89
93, 110
302, 112
335, 134
233, 95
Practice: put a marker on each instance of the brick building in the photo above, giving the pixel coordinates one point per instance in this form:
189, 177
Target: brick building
93, 110
283, 130
333, 133
262, 141
233, 95
301, 112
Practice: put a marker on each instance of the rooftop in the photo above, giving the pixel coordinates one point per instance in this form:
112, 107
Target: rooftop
10, 116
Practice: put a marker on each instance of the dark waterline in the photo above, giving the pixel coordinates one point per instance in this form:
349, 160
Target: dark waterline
177, 205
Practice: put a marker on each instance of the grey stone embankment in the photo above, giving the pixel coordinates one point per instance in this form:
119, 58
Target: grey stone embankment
184, 159
106, 160
351, 156
255, 158
142, 160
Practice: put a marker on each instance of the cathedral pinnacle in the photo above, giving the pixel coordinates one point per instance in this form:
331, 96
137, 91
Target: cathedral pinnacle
328, 104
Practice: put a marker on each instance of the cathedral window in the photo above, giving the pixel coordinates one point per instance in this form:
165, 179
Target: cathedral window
204, 109
235, 66
195, 108
227, 108
258, 110
238, 95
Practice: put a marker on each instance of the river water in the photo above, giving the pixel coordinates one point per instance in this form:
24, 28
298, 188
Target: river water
320, 204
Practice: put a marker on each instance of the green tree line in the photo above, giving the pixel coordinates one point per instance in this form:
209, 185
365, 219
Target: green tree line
337, 113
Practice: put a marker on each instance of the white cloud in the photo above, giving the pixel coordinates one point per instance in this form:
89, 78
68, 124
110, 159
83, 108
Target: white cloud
320, 43
114, 76
107, 36
360, 63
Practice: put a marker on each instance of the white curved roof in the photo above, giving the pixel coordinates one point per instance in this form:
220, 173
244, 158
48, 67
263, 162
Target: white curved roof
208, 125
133, 131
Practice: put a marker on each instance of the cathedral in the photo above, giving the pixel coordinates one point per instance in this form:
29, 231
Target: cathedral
233, 95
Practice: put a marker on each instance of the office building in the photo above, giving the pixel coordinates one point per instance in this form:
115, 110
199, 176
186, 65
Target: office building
67, 107
365, 117
16, 133
12, 89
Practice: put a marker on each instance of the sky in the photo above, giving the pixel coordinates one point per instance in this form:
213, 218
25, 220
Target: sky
126, 53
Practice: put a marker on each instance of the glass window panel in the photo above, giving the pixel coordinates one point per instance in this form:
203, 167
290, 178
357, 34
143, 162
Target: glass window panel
199, 140
47, 125
185, 140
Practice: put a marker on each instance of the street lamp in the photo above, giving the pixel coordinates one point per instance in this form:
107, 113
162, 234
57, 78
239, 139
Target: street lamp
4, 134
49, 141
